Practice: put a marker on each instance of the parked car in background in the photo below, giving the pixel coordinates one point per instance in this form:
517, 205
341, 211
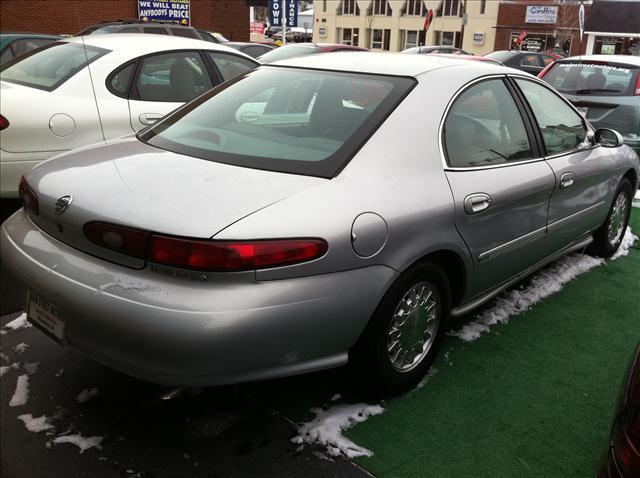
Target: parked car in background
529, 61
622, 459
451, 50
139, 26
604, 88
213, 37
84, 90
254, 50
14, 44
303, 49
344, 222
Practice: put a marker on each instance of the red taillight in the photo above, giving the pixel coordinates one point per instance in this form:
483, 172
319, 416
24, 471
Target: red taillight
546, 69
233, 256
637, 92
626, 442
4, 123
28, 197
130, 242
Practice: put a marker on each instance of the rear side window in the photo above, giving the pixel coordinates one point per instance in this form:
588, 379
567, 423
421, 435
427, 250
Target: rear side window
129, 30
283, 119
155, 30
530, 60
562, 128
231, 66
49, 67
174, 77
484, 127
120, 81
597, 78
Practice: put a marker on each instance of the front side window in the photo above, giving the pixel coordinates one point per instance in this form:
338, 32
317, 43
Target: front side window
283, 119
185, 32
50, 66
172, 77
530, 60
562, 128
231, 66
484, 127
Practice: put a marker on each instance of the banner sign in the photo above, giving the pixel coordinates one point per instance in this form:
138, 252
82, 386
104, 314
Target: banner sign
277, 11
541, 14
256, 27
174, 11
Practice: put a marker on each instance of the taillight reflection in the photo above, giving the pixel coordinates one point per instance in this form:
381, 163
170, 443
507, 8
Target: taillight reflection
4, 123
28, 196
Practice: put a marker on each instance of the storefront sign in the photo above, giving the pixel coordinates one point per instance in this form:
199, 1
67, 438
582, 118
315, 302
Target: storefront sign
478, 38
322, 31
174, 11
277, 10
541, 14
256, 27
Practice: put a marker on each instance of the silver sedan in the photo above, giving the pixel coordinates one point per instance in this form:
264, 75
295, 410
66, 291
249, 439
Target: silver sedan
324, 210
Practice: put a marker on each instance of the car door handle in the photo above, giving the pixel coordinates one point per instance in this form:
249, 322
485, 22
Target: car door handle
567, 179
149, 118
475, 203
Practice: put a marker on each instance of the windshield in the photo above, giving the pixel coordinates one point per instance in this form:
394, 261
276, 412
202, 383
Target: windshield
597, 78
48, 67
289, 51
283, 119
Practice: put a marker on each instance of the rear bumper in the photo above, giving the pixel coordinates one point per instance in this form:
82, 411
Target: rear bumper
176, 331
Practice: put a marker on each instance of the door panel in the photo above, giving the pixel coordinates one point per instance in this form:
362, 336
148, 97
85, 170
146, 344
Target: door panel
582, 172
509, 235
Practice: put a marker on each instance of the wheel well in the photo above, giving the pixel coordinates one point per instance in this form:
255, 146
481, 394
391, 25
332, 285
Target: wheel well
632, 176
453, 267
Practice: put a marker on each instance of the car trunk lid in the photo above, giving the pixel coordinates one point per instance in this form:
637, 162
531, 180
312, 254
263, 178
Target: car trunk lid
131, 184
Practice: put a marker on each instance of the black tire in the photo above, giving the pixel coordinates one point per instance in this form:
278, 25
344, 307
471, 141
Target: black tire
603, 244
369, 360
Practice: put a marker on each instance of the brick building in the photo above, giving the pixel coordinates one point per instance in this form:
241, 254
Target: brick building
229, 17
551, 25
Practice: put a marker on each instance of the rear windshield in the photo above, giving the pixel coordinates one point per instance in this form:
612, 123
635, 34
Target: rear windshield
597, 78
48, 67
290, 51
283, 119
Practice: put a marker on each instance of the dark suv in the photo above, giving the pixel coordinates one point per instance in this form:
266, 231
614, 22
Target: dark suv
138, 26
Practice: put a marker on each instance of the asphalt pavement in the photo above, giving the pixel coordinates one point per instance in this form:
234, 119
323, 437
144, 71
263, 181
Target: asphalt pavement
213, 432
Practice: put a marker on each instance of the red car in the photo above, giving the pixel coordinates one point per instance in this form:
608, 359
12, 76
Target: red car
300, 49
622, 459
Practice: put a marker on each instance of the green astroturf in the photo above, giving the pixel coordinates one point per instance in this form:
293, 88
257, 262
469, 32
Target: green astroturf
532, 398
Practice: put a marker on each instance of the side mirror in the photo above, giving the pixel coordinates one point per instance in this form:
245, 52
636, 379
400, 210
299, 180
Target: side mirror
608, 138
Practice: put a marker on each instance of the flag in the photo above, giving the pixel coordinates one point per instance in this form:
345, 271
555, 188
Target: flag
427, 20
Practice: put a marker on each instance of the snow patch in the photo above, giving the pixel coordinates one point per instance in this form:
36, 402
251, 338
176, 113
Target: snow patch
87, 394
337, 396
543, 284
84, 443
21, 348
36, 425
31, 368
126, 287
326, 428
21, 395
5, 368
18, 323
59, 373
628, 240
425, 380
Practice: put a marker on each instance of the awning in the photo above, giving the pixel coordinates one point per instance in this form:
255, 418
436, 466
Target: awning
614, 16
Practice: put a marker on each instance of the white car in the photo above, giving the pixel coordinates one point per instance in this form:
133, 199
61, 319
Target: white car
91, 89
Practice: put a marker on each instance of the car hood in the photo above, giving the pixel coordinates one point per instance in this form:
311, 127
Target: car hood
132, 184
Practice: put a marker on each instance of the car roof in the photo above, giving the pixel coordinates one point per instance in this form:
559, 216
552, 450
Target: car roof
627, 59
392, 64
148, 43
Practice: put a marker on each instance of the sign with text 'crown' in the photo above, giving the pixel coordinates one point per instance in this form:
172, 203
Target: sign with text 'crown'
282, 8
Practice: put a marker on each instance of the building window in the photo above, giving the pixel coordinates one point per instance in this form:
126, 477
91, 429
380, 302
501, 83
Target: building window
413, 38
380, 39
450, 8
350, 7
448, 38
324, 5
483, 4
350, 36
381, 7
416, 8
